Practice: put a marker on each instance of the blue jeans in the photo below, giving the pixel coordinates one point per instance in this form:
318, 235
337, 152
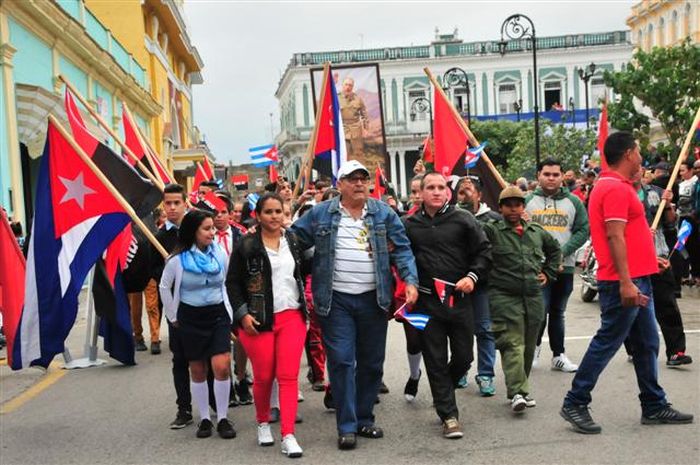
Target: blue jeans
354, 335
485, 342
556, 295
618, 322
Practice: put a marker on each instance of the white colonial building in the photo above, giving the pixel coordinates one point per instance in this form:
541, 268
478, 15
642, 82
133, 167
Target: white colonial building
500, 86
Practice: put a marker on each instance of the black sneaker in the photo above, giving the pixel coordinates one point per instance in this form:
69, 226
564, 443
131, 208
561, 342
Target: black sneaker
232, 401
318, 386
667, 416
411, 388
155, 348
580, 419
383, 389
679, 359
205, 428
225, 429
328, 399
243, 393
181, 420
141, 346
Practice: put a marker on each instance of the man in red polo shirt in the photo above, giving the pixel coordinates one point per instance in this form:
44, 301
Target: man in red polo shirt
624, 247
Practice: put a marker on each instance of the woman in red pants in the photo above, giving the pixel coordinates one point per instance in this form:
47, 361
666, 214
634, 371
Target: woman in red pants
266, 289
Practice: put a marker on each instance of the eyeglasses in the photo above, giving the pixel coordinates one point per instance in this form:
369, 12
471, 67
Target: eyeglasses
354, 179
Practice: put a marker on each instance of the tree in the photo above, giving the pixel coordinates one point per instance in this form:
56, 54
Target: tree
501, 137
665, 81
566, 144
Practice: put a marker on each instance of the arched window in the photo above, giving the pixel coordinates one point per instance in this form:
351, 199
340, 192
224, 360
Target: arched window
650, 37
640, 38
687, 21
662, 32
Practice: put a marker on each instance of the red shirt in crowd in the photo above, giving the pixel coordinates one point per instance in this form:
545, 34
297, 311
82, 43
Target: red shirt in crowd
615, 199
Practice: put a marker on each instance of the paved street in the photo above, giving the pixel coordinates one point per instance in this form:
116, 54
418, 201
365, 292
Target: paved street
114, 414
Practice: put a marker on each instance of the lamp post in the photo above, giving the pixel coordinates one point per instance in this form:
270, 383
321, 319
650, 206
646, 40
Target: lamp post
455, 77
585, 74
518, 107
513, 29
422, 105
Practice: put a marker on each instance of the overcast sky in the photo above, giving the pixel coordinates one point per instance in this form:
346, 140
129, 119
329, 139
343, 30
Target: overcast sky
246, 46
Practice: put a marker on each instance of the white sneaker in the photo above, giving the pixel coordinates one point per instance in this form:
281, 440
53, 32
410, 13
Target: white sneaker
300, 396
530, 402
290, 446
265, 435
562, 363
518, 403
536, 359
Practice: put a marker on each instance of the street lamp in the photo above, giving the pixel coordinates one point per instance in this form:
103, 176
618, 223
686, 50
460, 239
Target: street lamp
455, 77
422, 105
518, 107
585, 74
513, 29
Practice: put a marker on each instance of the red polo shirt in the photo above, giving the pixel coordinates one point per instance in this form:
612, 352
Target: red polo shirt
615, 199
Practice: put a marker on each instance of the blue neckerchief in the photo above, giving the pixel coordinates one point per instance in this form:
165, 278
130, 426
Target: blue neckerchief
200, 262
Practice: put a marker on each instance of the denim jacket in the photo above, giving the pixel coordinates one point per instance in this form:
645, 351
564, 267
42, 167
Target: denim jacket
319, 228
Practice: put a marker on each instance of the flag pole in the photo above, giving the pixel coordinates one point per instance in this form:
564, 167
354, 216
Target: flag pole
472, 139
683, 155
111, 132
308, 162
122, 201
154, 152
146, 152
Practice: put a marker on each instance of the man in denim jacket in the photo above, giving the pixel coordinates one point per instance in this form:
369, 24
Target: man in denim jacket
355, 239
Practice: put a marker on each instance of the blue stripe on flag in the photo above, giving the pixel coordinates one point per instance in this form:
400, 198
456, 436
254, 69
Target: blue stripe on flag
260, 148
263, 164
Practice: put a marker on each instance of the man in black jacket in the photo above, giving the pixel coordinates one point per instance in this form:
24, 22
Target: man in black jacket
452, 254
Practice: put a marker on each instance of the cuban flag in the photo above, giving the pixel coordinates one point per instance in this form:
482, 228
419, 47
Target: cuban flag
417, 320
75, 219
472, 155
263, 155
330, 137
683, 234
445, 290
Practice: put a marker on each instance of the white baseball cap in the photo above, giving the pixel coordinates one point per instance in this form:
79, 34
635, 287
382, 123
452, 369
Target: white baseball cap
349, 167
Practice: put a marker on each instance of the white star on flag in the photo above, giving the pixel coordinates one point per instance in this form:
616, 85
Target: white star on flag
76, 190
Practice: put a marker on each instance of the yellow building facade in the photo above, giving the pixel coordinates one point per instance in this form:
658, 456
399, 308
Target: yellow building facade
156, 35
663, 23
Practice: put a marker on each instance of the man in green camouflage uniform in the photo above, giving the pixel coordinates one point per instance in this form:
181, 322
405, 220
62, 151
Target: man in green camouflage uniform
355, 120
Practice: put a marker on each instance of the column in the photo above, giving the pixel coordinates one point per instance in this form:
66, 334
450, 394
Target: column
7, 51
393, 178
402, 172
401, 101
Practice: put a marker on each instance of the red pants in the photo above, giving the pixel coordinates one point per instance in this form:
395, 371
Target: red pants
277, 354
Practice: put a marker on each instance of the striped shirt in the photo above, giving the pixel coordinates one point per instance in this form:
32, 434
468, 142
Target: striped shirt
354, 271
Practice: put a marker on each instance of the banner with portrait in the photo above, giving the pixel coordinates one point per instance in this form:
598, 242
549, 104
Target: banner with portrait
359, 93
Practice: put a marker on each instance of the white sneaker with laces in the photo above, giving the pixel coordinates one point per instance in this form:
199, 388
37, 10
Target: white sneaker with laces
530, 402
518, 403
536, 358
265, 435
290, 446
562, 363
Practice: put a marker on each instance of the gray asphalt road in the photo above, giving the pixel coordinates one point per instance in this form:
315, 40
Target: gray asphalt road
114, 414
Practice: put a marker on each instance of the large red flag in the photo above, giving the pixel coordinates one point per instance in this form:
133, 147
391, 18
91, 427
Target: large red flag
82, 136
132, 140
451, 140
603, 135
208, 171
12, 271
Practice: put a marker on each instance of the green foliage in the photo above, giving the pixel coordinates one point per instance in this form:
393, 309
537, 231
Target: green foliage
557, 141
666, 81
501, 136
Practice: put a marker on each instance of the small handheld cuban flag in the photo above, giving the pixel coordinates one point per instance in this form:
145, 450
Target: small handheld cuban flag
683, 234
417, 320
253, 200
263, 156
472, 155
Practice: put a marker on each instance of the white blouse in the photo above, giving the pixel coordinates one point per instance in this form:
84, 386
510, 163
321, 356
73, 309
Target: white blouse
285, 293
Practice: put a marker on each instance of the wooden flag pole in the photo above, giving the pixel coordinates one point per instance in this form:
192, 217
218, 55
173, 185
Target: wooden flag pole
683, 155
308, 162
113, 190
139, 136
154, 153
109, 130
472, 139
